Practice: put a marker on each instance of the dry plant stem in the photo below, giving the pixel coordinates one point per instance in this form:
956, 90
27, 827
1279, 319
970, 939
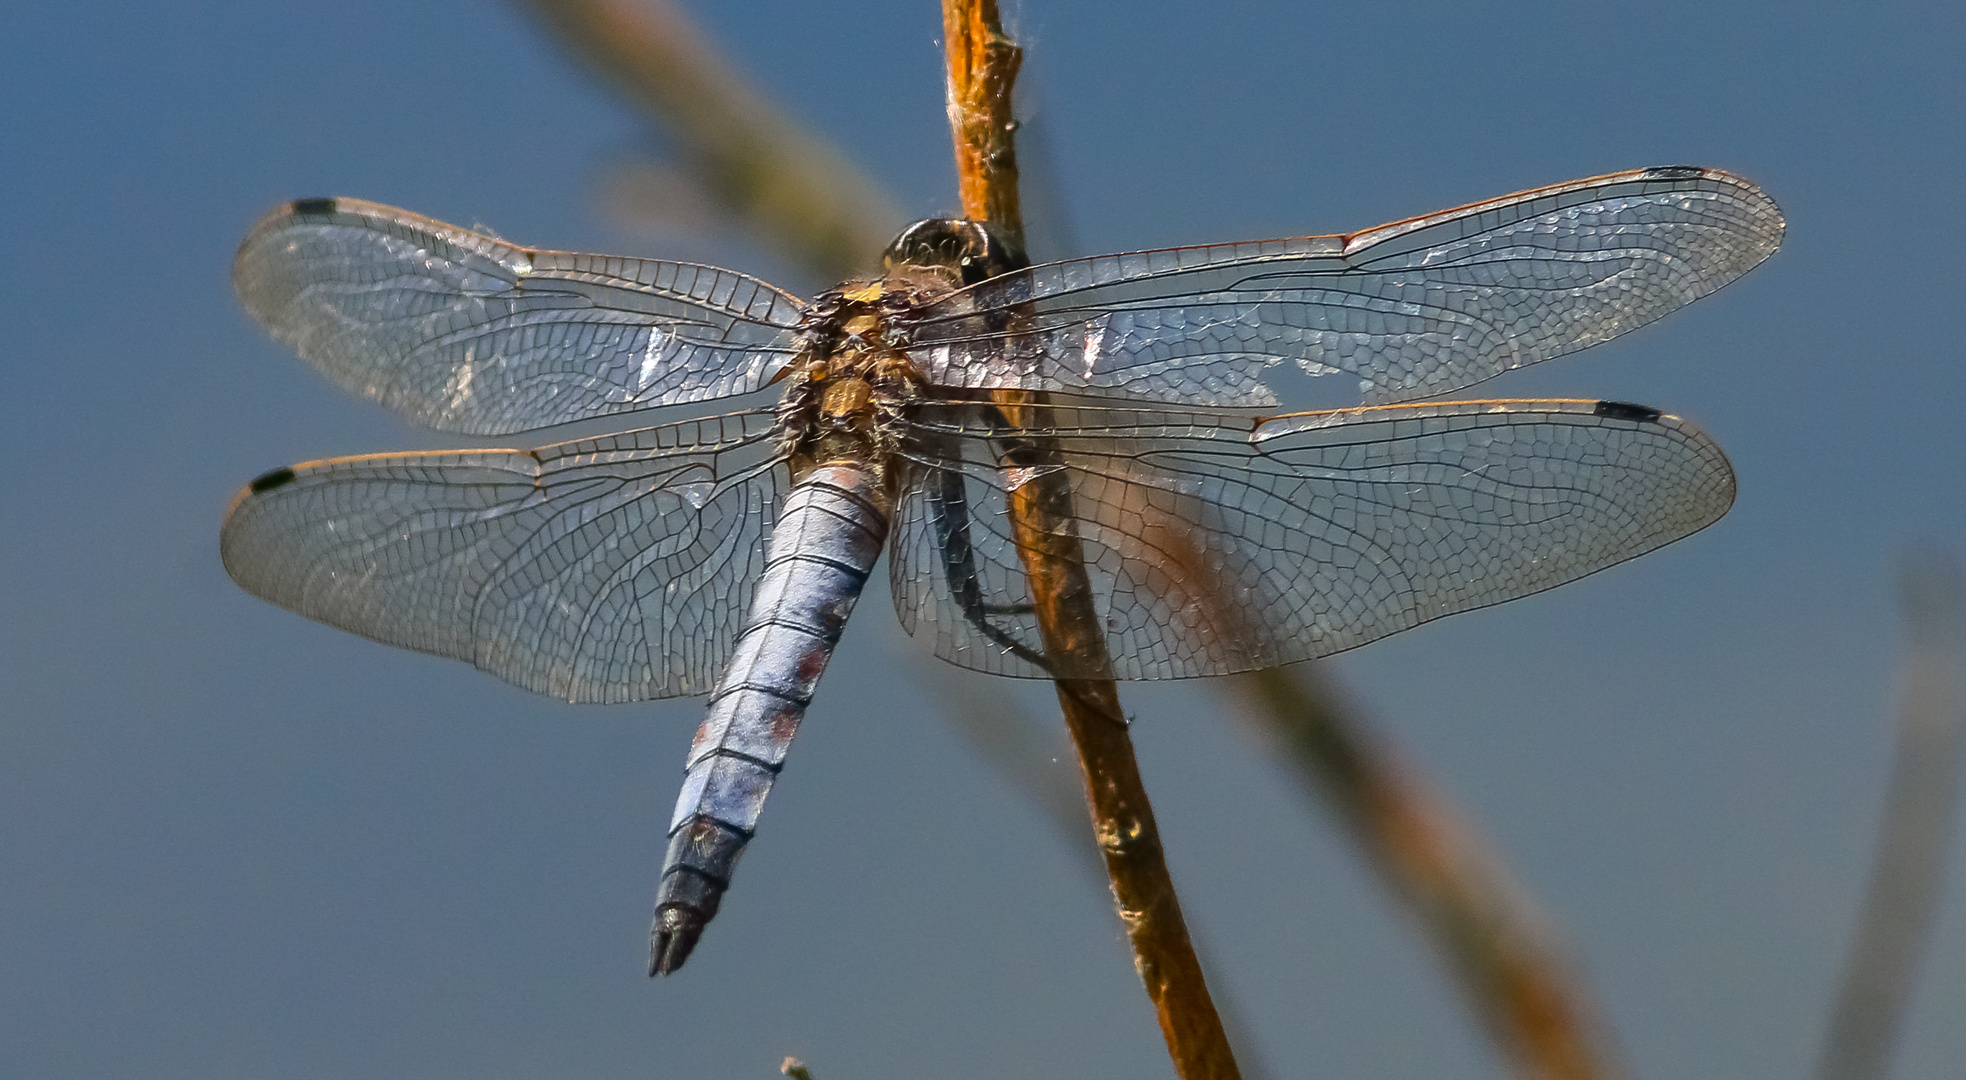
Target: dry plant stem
983, 65
1895, 924
1509, 969
800, 196
1122, 817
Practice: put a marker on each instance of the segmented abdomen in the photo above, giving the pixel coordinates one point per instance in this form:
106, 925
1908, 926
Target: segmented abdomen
827, 538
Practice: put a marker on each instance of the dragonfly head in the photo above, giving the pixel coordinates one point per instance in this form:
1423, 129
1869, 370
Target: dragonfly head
969, 250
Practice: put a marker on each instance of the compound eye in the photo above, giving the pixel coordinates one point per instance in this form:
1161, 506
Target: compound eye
978, 266
968, 248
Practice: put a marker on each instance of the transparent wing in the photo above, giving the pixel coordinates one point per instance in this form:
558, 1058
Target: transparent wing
610, 569
1412, 309
1218, 543
464, 332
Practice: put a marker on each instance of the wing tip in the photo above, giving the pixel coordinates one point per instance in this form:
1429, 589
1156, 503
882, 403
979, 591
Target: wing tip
270, 224
1777, 223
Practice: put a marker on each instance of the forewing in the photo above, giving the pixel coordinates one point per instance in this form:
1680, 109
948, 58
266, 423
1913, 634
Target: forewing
1216, 543
1412, 309
610, 569
464, 332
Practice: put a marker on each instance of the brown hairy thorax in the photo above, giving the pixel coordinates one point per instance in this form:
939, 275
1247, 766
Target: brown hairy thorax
853, 372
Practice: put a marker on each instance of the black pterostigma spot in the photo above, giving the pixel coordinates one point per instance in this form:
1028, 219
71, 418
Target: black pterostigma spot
1625, 410
267, 482
1672, 172
314, 206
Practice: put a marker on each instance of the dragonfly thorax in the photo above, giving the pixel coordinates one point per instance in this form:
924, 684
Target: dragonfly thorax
850, 380
853, 371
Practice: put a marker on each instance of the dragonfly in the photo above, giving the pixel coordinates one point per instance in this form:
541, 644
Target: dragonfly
723, 554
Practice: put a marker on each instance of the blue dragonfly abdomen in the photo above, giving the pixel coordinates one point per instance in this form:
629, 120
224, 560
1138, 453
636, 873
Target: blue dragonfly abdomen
828, 537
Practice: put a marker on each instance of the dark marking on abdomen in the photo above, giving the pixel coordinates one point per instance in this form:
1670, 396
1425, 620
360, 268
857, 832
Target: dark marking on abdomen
277, 478
1625, 410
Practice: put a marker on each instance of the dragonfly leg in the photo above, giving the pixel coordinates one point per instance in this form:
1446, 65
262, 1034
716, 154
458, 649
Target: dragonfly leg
948, 508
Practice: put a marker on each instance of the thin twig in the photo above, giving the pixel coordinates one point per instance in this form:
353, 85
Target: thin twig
1896, 921
801, 196
983, 65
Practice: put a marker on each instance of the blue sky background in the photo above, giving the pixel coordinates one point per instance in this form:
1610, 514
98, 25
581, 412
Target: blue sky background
235, 843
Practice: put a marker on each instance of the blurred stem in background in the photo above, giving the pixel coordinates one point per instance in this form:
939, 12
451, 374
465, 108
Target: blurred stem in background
787, 189
1507, 961
1895, 923
795, 195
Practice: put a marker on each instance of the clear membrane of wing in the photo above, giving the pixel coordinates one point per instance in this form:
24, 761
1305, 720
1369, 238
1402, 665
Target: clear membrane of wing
1217, 543
1406, 311
464, 332
609, 569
